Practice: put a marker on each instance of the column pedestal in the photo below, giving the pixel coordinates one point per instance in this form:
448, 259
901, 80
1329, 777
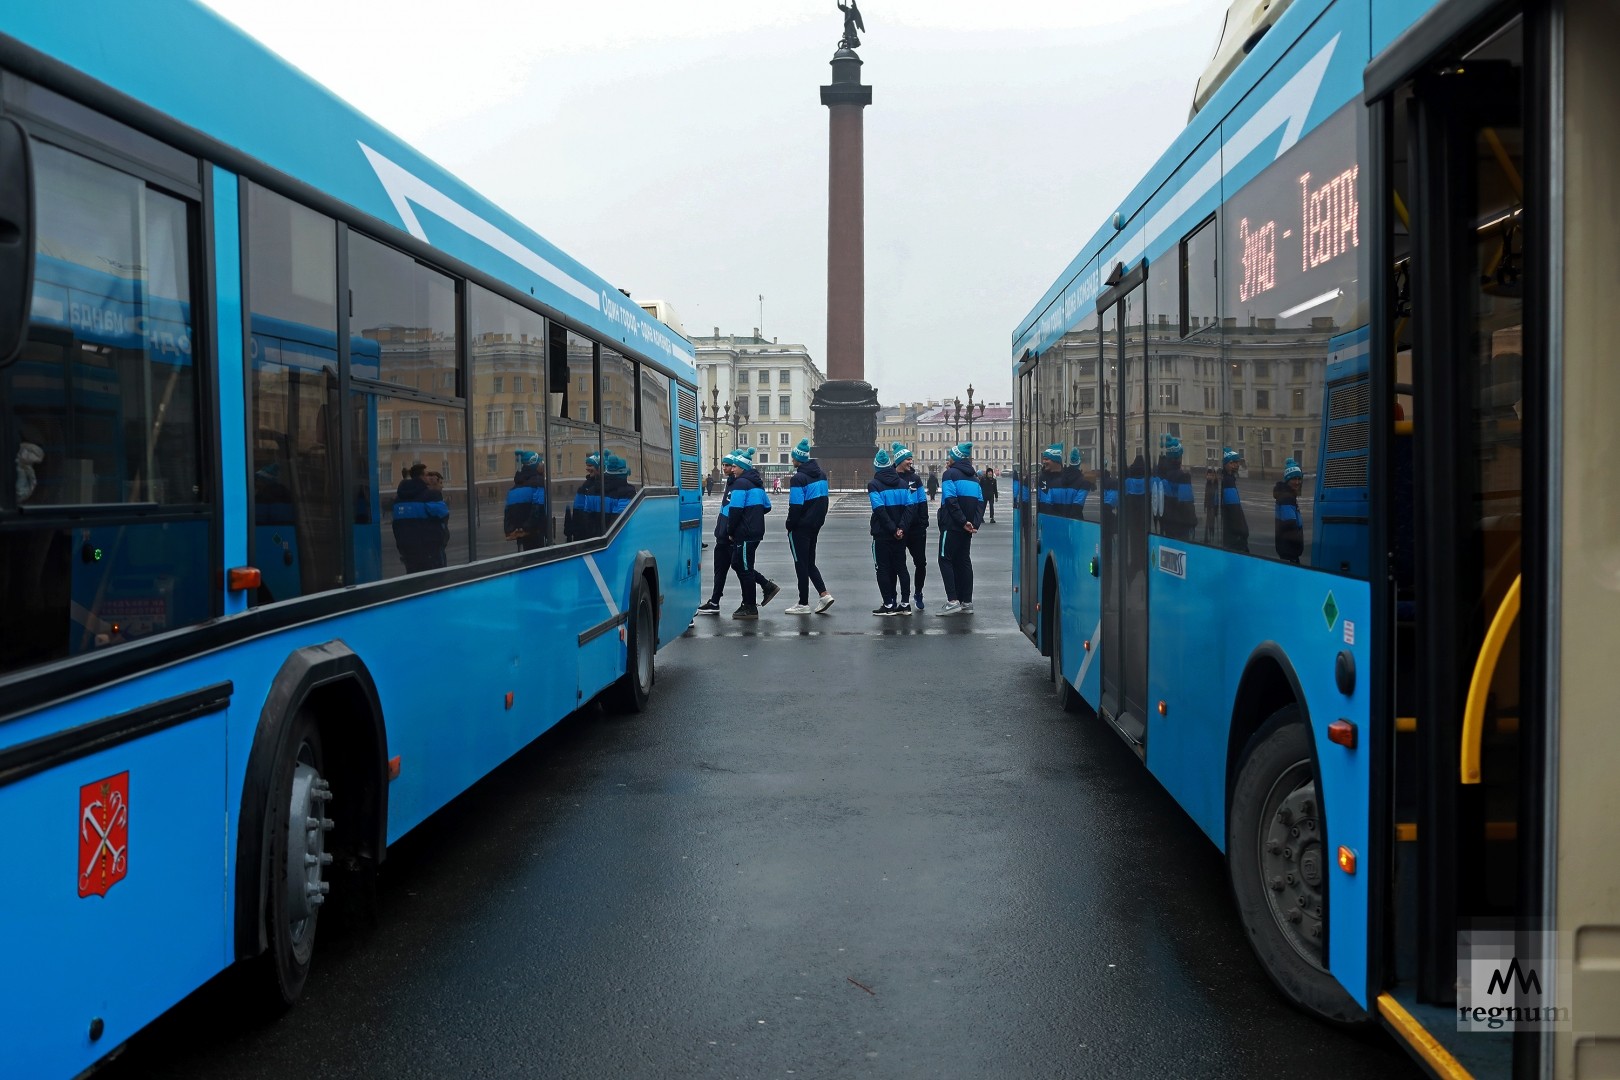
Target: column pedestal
846, 412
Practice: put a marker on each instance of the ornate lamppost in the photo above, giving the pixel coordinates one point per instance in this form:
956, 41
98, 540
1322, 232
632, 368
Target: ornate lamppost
738, 417
968, 412
715, 414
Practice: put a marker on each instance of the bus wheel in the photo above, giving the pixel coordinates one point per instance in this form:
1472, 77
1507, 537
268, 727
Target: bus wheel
297, 859
633, 690
1277, 857
1068, 697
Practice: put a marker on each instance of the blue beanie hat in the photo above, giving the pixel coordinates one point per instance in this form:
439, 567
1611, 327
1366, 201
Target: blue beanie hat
593, 461
882, 460
1076, 456
527, 457
802, 451
961, 451
899, 452
1292, 471
1172, 447
617, 466
729, 459
1051, 453
1229, 455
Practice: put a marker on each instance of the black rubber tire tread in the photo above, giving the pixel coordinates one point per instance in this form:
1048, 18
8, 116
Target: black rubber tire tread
284, 972
1069, 698
1282, 741
627, 695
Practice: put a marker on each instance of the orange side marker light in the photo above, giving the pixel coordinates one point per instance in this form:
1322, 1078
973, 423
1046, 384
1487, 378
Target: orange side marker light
1342, 732
243, 578
393, 767
509, 699
1347, 860
1163, 709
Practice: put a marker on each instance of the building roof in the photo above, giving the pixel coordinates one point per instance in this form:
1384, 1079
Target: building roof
942, 414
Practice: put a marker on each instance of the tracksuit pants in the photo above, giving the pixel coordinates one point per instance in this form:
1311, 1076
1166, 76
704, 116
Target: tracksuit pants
802, 543
917, 546
722, 567
889, 560
956, 564
743, 554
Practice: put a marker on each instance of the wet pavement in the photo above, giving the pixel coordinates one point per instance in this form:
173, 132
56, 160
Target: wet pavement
836, 845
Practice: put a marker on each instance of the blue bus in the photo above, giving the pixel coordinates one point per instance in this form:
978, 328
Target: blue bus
1305, 509
304, 530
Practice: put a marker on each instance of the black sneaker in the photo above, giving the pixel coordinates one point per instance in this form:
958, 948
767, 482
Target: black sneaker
903, 609
886, 609
745, 612
709, 607
771, 589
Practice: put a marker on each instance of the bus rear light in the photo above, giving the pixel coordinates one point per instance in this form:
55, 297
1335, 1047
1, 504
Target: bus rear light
1342, 732
243, 578
1163, 709
1088, 644
393, 767
1347, 860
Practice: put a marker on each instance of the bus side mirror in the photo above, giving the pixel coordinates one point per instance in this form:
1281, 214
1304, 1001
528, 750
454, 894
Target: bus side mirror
16, 238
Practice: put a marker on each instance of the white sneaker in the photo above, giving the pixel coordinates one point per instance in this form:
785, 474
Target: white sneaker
951, 607
967, 607
823, 603
799, 609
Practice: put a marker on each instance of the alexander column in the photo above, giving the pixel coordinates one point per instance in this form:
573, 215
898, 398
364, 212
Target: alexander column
846, 405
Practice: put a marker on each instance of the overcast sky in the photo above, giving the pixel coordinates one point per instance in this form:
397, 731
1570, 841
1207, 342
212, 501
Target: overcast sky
680, 150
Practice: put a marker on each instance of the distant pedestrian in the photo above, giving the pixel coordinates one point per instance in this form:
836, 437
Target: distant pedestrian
776, 485
807, 511
933, 485
722, 543
1290, 531
916, 526
987, 484
889, 494
746, 524
1234, 523
961, 512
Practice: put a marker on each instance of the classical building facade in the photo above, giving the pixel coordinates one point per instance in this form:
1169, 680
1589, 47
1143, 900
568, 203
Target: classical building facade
773, 383
939, 427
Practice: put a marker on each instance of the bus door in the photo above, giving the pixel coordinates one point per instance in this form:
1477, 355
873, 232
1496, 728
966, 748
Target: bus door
1026, 564
1460, 224
1122, 313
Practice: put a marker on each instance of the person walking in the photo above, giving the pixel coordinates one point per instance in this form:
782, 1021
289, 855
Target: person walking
1052, 497
933, 485
1180, 520
807, 511
1075, 483
418, 515
1290, 527
916, 527
961, 512
1234, 523
526, 519
889, 495
987, 484
722, 542
746, 528
585, 520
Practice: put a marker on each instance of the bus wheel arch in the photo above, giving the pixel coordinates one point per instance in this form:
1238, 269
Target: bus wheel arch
633, 690
323, 713
1051, 632
1277, 838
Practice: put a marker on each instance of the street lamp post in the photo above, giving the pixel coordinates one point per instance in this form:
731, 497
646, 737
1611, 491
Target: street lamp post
735, 415
969, 412
738, 411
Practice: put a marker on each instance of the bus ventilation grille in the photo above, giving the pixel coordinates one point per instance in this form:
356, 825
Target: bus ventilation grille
689, 441
1345, 438
689, 475
688, 405
1345, 473
1350, 401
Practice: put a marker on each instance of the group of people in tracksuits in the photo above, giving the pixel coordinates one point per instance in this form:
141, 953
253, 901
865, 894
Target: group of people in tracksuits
899, 498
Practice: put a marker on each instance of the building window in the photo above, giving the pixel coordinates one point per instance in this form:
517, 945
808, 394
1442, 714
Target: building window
782, 459
1299, 401
1169, 395
764, 405
784, 405
1299, 369
1262, 401
1173, 430
1262, 369
782, 439
520, 420
1237, 401
491, 463
1265, 434
742, 378
742, 438
764, 438
385, 428
499, 384
784, 377
1209, 432
444, 429
1299, 434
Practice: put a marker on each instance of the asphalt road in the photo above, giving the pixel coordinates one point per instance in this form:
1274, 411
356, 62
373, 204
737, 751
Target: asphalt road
836, 846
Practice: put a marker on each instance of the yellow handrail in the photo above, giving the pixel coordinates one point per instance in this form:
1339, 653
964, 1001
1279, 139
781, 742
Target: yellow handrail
1484, 670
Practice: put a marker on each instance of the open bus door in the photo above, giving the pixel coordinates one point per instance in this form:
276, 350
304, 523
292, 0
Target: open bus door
1459, 216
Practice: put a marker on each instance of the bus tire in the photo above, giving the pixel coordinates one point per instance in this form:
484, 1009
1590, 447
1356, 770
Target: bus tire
1277, 860
1068, 697
296, 886
634, 688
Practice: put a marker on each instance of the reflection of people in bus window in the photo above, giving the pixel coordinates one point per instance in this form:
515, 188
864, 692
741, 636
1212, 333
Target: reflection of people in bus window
419, 515
1290, 536
1180, 516
1074, 480
1234, 524
526, 519
616, 489
585, 518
